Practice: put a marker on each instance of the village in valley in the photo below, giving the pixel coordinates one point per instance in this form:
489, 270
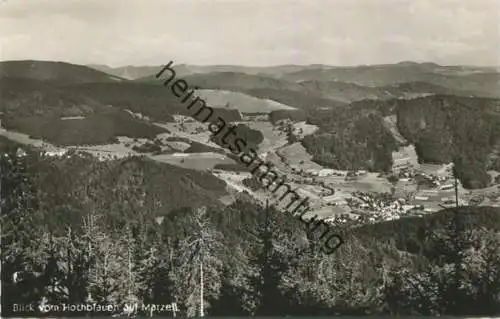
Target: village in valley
410, 189
250, 159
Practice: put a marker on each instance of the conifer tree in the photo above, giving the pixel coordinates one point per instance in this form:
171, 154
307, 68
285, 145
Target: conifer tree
198, 268
269, 264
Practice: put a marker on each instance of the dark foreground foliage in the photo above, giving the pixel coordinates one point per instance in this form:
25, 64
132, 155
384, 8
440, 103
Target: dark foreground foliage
75, 230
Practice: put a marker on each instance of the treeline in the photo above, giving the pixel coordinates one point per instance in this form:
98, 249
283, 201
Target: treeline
76, 230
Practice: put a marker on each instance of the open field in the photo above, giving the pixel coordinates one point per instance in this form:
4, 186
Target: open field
295, 155
368, 183
191, 130
197, 161
240, 101
435, 169
405, 156
25, 139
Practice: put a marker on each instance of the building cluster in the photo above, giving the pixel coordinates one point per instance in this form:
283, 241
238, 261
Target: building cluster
378, 207
254, 117
353, 175
325, 172
100, 155
373, 208
406, 173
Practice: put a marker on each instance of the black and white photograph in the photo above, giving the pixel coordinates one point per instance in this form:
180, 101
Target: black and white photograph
249, 158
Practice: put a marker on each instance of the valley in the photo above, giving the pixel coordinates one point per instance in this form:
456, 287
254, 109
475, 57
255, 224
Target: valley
125, 161
419, 188
249, 159
177, 139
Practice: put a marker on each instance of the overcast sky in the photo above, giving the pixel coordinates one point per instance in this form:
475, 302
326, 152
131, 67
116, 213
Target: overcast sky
251, 32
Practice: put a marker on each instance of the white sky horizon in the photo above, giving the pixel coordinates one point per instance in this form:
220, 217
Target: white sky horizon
251, 32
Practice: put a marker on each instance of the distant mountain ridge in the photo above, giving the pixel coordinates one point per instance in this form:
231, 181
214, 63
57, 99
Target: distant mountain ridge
482, 81
287, 70
132, 72
128, 72
329, 91
53, 71
342, 84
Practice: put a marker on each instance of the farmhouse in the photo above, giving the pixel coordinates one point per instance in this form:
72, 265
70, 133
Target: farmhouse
446, 187
325, 172
422, 198
20, 152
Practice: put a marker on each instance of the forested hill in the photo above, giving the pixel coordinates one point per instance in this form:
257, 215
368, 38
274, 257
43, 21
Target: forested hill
135, 184
413, 234
38, 108
351, 138
444, 128
37, 99
449, 128
61, 72
75, 90
77, 230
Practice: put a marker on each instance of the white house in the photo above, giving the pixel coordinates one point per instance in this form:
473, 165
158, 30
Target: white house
20, 152
325, 172
446, 186
421, 198
56, 153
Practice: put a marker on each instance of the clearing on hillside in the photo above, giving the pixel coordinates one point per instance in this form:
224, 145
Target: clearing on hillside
240, 101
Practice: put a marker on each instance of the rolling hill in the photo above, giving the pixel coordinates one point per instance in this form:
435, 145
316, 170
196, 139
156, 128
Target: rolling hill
443, 128
446, 128
39, 108
274, 71
27, 97
481, 81
412, 234
36, 95
136, 72
60, 72
296, 99
154, 101
156, 187
368, 75
349, 92
323, 86
96, 129
231, 81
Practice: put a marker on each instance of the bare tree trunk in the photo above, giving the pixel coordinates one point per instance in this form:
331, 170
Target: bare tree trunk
129, 273
201, 289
